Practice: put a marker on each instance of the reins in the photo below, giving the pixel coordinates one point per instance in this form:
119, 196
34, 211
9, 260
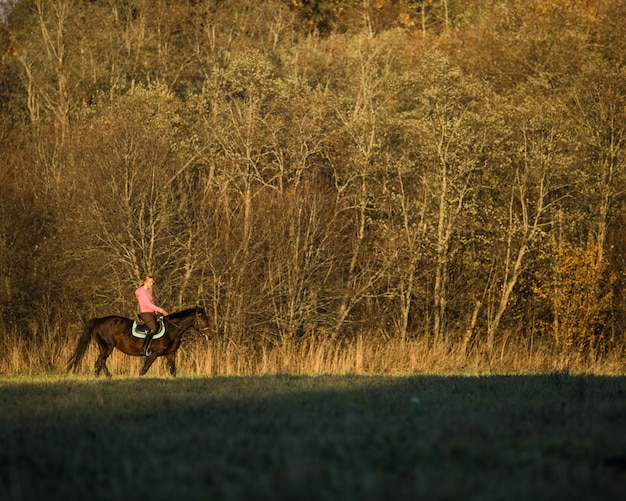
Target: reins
192, 326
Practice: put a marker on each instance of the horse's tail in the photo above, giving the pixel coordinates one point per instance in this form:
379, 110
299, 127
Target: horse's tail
83, 343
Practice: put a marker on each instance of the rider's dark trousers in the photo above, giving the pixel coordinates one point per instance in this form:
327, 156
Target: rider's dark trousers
150, 319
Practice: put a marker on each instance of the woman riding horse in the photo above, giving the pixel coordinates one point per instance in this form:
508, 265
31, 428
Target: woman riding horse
117, 332
148, 310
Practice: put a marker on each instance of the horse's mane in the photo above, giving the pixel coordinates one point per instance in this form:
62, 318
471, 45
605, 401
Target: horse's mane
183, 313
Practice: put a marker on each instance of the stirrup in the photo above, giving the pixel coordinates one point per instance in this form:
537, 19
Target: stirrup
146, 342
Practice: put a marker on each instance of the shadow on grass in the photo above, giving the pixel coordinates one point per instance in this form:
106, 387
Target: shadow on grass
283, 437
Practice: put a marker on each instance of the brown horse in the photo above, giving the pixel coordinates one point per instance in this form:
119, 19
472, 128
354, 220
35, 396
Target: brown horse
116, 332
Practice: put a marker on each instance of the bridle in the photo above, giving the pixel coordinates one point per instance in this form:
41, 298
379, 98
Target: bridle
192, 326
202, 330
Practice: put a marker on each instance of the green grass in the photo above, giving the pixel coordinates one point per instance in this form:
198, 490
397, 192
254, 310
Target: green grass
283, 437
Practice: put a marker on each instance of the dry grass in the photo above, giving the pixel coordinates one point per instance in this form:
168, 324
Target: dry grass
367, 353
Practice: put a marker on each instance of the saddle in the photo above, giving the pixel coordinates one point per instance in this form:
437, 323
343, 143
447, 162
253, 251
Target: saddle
140, 329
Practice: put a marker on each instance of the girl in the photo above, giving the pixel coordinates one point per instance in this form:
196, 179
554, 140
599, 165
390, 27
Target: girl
148, 310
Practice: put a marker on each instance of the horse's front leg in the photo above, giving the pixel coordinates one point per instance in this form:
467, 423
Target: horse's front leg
171, 362
149, 361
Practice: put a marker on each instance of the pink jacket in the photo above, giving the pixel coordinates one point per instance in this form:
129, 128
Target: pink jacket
146, 304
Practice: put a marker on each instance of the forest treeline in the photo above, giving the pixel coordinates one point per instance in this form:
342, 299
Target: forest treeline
443, 169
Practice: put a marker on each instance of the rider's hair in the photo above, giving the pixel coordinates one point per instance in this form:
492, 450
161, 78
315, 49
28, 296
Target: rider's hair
147, 277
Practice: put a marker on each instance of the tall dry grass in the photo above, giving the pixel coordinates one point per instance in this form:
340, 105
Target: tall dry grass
367, 353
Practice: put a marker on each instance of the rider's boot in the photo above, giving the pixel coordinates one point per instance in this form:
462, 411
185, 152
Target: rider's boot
146, 342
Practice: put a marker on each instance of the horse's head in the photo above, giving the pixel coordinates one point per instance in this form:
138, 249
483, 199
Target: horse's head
202, 323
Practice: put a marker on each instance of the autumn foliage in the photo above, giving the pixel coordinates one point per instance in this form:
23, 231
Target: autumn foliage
320, 174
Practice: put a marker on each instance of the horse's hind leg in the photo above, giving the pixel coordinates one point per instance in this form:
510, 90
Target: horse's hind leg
101, 365
105, 350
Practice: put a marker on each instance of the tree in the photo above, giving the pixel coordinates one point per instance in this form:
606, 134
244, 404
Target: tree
579, 293
451, 140
128, 216
537, 185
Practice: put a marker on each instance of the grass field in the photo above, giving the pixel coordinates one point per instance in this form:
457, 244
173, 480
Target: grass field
327, 437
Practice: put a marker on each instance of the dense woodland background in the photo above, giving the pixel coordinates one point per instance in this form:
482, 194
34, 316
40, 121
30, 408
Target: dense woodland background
445, 171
